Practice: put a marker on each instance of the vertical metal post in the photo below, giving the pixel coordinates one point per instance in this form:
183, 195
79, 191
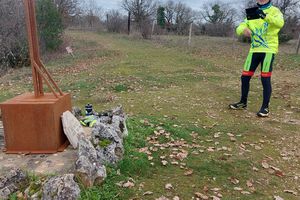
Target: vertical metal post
129, 21
33, 46
190, 34
298, 46
153, 27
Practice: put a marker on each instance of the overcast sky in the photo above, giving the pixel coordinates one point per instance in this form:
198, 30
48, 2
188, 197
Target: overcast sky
195, 4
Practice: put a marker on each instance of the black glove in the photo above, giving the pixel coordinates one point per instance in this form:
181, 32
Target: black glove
261, 13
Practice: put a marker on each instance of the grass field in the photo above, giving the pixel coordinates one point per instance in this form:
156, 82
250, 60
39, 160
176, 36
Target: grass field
177, 98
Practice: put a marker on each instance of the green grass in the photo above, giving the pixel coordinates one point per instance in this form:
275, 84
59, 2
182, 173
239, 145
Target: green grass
121, 88
162, 83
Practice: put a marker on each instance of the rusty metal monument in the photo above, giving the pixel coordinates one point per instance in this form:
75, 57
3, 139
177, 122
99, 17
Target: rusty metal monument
32, 122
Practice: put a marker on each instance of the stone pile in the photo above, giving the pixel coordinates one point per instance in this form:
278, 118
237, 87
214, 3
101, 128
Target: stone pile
104, 146
88, 167
11, 183
61, 188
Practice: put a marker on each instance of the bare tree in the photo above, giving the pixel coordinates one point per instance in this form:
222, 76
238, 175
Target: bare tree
169, 14
219, 19
142, 11
116, 22
287, 7
13, 48
67, 8
92, 13
217, 13
184, 16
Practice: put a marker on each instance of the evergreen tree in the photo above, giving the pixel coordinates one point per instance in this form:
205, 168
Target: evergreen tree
50, 24
161, 21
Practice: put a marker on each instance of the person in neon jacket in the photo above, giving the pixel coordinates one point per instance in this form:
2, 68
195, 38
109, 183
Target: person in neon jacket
264, 46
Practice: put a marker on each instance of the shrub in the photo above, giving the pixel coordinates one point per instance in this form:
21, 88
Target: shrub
50, 24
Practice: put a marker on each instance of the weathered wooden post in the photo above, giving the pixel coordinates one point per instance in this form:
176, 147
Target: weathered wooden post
32, 122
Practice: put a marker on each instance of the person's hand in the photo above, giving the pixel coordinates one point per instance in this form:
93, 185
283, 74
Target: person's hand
247, 32
261, 13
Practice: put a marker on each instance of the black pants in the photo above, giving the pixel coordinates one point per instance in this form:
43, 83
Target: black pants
253, 60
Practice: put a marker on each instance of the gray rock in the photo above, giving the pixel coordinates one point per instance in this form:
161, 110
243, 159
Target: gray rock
61, 188
119, 124
11, 183
89, 169
72, 128
76, 112
105, 119
105, 131
111, 154
114, 150
118, 111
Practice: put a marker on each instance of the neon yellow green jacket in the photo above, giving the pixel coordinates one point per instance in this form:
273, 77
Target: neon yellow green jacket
264, 36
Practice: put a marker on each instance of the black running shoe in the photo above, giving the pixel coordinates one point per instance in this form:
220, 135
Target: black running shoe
264, 112
238, 106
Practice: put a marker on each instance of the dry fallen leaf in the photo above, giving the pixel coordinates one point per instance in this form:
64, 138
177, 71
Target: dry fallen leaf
181, 156
277, 171
164, 162
257, 147
176, 198
245, 192
215, 189
291, 192
188, 172
278, 198
234, 180
265, 165
249, 183
148, 193
217, 135
150, 158
238, 189
169, 186
175, 163
255, 169
230, 134
162, 198
201, 196
120, 184
128, 184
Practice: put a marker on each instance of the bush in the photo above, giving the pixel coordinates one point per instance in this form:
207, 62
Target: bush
13, 48
285, 37
17, 56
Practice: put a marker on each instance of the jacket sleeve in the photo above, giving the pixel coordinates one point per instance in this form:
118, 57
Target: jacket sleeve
240, 29
275, 19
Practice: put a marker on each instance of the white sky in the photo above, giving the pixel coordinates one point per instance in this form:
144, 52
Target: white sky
194, 4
